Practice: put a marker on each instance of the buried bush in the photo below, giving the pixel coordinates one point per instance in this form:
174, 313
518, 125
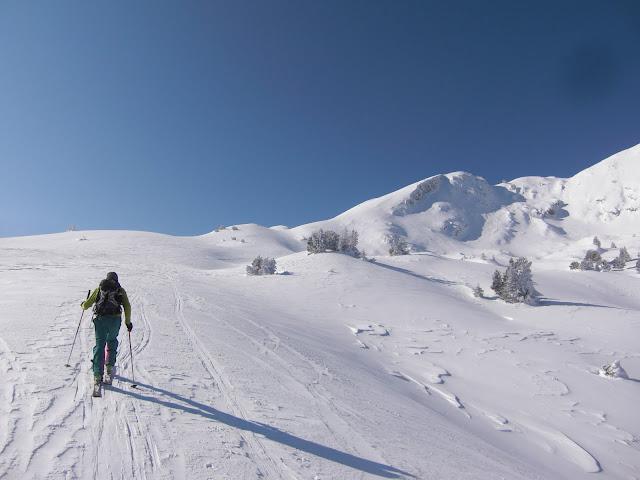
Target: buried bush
323, 241
262, 266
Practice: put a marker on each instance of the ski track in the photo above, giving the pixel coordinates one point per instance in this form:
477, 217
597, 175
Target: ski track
51, 428
266, 463
332, 415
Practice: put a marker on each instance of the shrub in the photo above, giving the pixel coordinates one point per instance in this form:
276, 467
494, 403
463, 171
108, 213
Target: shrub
593, 261
323, 241
516, 284
348, 243
574, 266
262, 266
398, 246
478, 292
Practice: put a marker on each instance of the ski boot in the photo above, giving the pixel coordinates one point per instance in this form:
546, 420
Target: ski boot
109, 374
97, 386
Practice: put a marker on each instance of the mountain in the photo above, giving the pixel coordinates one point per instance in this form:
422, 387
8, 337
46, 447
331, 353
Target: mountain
461, 212
337, 368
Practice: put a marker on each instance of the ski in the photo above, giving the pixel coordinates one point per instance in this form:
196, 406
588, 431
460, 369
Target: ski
97, 390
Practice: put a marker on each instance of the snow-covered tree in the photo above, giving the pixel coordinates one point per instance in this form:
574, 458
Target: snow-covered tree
517, 283
605, 266
592, 261
624, 255
586, 265
597, 242
574, 266
621, 260
398, 246
478, 292
347, 243
593, 256
262, 266
613, 245
497, 283
323, 241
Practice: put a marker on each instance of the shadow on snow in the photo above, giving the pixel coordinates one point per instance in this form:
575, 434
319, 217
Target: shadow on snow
267, 431
549, 302
413, 274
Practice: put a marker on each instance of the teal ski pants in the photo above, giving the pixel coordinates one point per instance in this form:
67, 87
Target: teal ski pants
107, 328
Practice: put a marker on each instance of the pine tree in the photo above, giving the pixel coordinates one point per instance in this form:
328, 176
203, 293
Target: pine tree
398, 246
624, 255
574, 266
347, 243
478, 292
518, 283
497, 283
597, 242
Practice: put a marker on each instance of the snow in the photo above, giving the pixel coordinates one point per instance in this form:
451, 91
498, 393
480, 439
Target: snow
342, 369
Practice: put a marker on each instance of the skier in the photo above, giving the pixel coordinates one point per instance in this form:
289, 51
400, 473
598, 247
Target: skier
109, 299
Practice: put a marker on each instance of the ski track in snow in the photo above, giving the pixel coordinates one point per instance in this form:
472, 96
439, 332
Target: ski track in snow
328, 409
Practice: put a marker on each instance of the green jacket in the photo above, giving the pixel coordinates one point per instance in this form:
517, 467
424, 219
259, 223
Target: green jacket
88, 303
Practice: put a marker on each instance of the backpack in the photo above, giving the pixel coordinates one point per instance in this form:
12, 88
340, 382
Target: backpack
109, 298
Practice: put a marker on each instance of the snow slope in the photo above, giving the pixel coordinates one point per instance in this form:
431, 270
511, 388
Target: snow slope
460, 212
340, 369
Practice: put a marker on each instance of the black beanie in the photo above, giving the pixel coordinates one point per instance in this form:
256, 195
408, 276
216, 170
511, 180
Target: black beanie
112, 276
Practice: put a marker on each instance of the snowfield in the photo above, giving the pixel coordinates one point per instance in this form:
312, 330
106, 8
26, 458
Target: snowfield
338, 368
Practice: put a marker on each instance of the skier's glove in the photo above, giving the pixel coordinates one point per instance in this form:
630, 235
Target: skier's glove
129, 326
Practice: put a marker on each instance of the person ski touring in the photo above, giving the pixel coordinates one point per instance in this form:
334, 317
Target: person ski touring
108, 301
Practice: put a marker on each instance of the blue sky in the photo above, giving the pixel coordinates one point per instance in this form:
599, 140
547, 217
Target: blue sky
179, 116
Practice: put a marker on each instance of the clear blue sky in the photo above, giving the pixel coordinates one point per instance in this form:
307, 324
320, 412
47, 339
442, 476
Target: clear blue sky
178, 116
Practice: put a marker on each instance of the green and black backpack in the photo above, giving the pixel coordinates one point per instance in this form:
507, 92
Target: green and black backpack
109, 301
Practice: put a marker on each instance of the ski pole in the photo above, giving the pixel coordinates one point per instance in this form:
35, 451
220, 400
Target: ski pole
76, 335
133, 379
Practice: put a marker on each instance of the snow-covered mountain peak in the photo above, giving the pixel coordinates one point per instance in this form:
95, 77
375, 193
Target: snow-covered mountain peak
459, 189
446, 212
608, 193
623, 166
